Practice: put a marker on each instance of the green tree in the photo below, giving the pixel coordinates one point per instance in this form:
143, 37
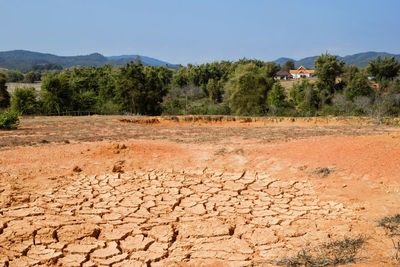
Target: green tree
55, 93
304, 97
32, 77
154, 91
270, 69
129, 87
328, 68
215, 90
140, 90
384, 69
277, 96
25, 100
247, 89
106, 77
289, 65
84, 85
13, 76
357, 85
4, 95
349, 71
180, 78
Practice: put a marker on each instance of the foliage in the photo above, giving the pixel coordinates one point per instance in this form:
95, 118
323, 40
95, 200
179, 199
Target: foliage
141, 90
32, 77
304, 97
357, 84
384, 69
4, 95
9, 119
276, 99
25, 101
13, 76
328, 68
244, 87
247, 89
289, 65
215, 90
56, 94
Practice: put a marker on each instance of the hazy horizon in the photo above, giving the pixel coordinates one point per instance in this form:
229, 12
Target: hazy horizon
182, 32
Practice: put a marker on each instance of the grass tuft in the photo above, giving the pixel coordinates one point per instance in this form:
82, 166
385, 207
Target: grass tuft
329, 254
323, 172
392, 223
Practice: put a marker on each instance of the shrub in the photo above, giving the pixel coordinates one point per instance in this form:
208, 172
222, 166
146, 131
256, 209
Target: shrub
9, 119
24, 101
4, 95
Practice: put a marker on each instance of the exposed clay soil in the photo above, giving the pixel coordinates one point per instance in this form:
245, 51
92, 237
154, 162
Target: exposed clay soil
98, 191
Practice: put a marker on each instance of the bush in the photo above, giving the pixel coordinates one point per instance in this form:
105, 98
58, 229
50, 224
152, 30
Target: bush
9, 119
4, 95
24, 101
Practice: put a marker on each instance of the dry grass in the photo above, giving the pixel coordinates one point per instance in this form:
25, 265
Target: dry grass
333, 253
392, 225
289, 83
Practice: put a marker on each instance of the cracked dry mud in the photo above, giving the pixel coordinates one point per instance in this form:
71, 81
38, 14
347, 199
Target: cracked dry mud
156, 218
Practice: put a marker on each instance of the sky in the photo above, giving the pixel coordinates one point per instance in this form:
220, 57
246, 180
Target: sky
199, 31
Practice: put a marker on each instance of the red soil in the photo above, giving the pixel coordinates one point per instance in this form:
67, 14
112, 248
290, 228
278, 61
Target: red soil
364, 177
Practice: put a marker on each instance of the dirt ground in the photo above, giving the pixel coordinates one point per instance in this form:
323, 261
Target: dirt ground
123, 191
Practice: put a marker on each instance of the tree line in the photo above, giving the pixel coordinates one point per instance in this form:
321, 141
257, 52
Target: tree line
245, 87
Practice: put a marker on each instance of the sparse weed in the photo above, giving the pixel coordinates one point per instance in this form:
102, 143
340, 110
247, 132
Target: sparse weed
322, 172
329, 254
220, 152
224, 151
238, 151
396, 251
392, 225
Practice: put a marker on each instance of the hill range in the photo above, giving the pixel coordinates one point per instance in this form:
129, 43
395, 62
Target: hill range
25, 60
360, 59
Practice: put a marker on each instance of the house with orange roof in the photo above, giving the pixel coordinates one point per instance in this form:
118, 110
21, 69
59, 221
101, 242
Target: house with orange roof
302, 72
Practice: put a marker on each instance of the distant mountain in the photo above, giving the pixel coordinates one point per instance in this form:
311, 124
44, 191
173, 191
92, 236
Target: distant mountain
283, 60
360, 59
26, 60
123, 59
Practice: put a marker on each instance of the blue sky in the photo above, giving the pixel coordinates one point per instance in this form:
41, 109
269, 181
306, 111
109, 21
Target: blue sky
188, 31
